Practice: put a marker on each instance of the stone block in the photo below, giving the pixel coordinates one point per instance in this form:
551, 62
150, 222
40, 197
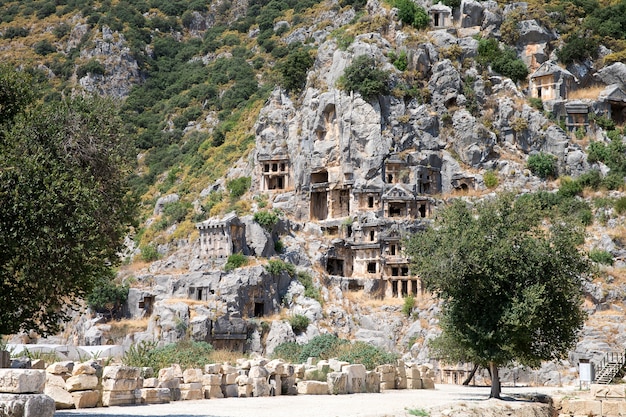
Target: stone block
229, 369
260, 387
582, 407
192, 375
26, 405
213, 368
214, 379
276, 367
372, 381
299, 371
413, 373
155, 395
171, 384
613, 408
83, 368
5, 359
112, 398
275, 385
312, 388
191, 394
386, 386
38, 364
400, 375
60, 368
121, 372
243, 380
150, 383
427, 371
414, 383
166, 374
86, 399
230, 390
62, 398
55, 380
22, 381
81, 382
244, 391
213, 391
336, 365
230, 379
607, 391
175, 394
147, 372
428, 383
258, 372
356, 378
191, 386
288, 385
119, 384
337, 383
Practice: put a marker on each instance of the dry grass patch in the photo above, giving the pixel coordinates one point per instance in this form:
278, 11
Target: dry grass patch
365, 300
591, 93
226, 356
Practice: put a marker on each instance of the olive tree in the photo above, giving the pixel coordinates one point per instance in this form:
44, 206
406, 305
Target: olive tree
65, 204
511, 287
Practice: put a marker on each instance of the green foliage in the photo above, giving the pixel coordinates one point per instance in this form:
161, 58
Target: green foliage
578, 47
187, 354
310, 290
299, 323
536, 103
418, 412
267, 219
491, 179
542, 165
366, 354
238, 186
601, 256
356, 4
65, 207
288, 351
365, 77
399, 61
44, 48
149, 253
93, 67
569, 188
498, 270
411, 13
276, 267
13, 32
407, 306
236, 260
620, 205
590, 179
173, 213
107, 297
502, 60
294, 68
324, 346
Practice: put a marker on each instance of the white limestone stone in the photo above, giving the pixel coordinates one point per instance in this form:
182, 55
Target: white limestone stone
22, 381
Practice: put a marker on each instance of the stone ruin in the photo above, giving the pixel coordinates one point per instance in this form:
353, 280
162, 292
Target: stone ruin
68, 384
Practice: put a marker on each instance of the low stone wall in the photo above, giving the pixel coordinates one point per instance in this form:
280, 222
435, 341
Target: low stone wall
600, 400
89, 384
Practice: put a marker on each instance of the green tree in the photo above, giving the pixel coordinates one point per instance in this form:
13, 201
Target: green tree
365, 76
65, 206
107, 297
294, 69
510, 286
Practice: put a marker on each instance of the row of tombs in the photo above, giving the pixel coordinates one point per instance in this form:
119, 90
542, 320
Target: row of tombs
364, 227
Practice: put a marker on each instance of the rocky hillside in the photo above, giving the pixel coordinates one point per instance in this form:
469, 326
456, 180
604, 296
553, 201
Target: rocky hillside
286, 149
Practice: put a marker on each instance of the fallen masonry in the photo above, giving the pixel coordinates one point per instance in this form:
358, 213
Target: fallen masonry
64, 385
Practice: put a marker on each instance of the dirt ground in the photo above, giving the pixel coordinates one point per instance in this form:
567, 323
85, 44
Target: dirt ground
396, 403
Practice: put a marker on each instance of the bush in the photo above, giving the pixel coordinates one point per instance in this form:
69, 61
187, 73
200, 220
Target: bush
310, 290
569, 188
276, 267
288, 351
267, 219
324, 346
107, 297
299, 323
236, 260
187, 354
149, 253
44, 48
366, 354
601, 256
365, 77
294, 68
591, 179
407, 307
620, 205
238, 186
577, 48
502, 60
542, 165
412, 14
491, 179
15, 32
536, 103
91, 67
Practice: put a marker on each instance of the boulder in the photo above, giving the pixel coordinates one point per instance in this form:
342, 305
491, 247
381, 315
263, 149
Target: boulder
86, 399
26, 405
472, 13
22, 381
81, 382
192, 375
356, 378
121, 372
337, 383
62, 398
613, 74
312, 388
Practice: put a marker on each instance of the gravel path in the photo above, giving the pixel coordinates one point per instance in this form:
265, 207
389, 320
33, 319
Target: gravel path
386, 404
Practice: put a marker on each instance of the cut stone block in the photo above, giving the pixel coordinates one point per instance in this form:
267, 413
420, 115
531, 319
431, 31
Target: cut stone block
213, 368
121, 372
84, 368
62, 398
312, 388
583, 407
213, 379
244, 391
260, 387
22, 381
55, 380
155, 395
428, 383
372, 381
119, 384
230, 391
150, 383
191, 394
112, 398
81, 382
192, 375
337, 383
607, 391
356, 378
60, 368
230, 379
26, 405
213, 391
86, 399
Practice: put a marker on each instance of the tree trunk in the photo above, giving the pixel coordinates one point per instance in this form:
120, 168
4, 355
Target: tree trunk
470, 376
495, 381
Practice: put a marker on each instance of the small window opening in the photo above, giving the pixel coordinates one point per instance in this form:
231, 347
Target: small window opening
259, 309
371, 267
370, 201
372, 235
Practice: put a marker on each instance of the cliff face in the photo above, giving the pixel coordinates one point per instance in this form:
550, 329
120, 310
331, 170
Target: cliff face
349, 177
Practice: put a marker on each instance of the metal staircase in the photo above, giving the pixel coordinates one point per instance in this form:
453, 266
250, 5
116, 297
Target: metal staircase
612, 363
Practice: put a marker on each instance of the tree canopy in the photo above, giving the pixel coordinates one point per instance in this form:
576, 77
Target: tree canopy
511, 287
65, 205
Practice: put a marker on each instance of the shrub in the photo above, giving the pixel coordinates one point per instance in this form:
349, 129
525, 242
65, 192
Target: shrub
294, 68
620, 205
238, 186
149, 253
591, 179
107, 297
310, 290
597, 152
407, 306
399, 61
324, 346
601, 256
536, 103
288, 351
61, 30
187, 354
366, 354
577, 48
299, 323
91, 67
412, 14
491, 179
365, 77
569, 188
44, 48
236, 260
267, 219
613, 181
502, 60
542, 164
276, 267
15, 32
